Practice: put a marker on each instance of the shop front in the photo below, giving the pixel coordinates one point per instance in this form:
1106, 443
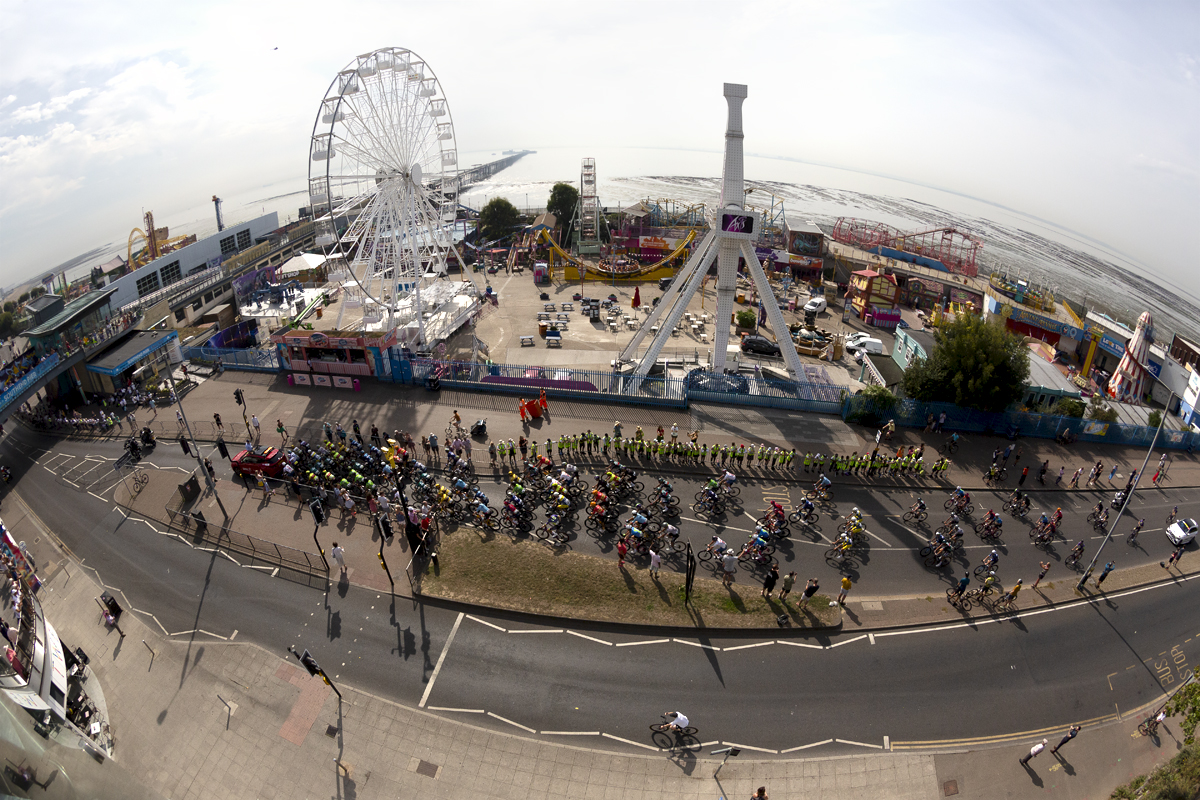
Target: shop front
331, 358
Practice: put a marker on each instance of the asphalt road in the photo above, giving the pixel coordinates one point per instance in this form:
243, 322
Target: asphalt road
963, 680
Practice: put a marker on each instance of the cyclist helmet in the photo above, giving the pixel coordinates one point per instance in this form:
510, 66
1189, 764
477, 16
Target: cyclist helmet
1020, 581
855, 510
714, 538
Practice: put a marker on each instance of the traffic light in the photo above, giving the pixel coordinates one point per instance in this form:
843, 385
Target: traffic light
385, 526
187, 451
310, 663
222, 449
237, 395
317, 511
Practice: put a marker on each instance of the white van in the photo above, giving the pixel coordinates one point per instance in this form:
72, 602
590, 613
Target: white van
816, 305
865, 345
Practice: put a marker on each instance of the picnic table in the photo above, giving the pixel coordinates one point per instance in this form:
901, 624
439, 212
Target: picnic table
527, 340
553, 339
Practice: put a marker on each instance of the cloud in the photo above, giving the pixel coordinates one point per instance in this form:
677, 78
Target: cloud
40, 112
1187, 67
1144, 162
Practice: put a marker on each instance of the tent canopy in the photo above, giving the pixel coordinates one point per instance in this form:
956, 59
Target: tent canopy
301, 262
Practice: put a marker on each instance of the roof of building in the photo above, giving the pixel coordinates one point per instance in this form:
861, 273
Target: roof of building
888, 370
1043, 373
79, 307
1185, 342
867, 273
41, 301
129, 350
807, 226
545, 220
923, 338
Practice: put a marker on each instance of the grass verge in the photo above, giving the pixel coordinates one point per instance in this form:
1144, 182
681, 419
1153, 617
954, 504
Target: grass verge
531, 577
1178, 779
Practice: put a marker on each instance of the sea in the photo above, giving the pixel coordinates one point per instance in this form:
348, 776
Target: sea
1070, 264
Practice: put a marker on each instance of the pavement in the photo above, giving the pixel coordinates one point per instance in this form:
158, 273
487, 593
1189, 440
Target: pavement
198, 717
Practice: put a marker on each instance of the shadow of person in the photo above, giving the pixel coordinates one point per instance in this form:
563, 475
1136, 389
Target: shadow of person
1066, 765
1037, 779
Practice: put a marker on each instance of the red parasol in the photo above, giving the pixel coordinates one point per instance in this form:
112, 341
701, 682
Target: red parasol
637, 297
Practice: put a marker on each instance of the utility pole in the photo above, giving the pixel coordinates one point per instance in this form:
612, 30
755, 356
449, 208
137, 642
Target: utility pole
208, 481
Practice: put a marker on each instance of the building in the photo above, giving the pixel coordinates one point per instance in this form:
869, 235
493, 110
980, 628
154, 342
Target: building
912, 345
1188, 408
1047, 385
86, 318
870, 289
44, 307
131, 359
1184, 352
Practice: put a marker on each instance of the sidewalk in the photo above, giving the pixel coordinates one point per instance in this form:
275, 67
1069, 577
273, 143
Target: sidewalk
198, 718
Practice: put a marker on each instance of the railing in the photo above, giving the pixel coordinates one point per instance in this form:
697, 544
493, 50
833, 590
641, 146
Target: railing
186, 284
203, 531
28, 379
258, 360
333, 367
914, 414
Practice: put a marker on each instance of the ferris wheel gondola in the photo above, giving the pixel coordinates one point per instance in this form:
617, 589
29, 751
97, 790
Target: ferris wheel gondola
383, 181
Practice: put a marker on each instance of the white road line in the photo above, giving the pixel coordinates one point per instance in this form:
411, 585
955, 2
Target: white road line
441, 658
871, 638
747, 647
510, 722
485, 622
697, 644
847, 641
887, 743
859, 744
458, 710
748, 747
801, 644
627, 741
570, 733
648, 641
590, 638
533, 630
806, 746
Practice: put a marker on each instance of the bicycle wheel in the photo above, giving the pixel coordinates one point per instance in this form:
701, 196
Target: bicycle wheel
926, 550
949, 504
967, 510
982, 569
952, 447
733, 491
662, 740
705, 555
936, 562
1071, 560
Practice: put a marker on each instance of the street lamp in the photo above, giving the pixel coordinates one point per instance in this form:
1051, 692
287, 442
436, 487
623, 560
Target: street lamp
1128, 496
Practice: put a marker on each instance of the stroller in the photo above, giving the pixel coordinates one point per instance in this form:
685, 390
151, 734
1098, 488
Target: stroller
479, 428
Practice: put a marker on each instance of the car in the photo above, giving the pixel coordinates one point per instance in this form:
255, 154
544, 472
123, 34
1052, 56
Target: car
866, 345
1182, 532
266, 461
760, 345
901, 324
816, 305
855, 339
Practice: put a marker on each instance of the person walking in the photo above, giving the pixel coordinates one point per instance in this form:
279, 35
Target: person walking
770, 581
846, 584
1071, 734
154, 408
1058, 480
217, 421
655, 564
1034, 751
521, 408
1024, 474
282, 431
376, 439
1042, 472
761, 794
212, 473
542, 402
257, 427
621, 551
179, 418
789, 581
1176, 554
339, 555
1112, 472
729, 567
357, 431
1104, 573
1045, 568
808, 593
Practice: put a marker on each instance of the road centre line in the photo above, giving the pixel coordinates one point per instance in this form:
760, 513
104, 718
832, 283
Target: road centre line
441, 660
510, 722
589, 638
806, 746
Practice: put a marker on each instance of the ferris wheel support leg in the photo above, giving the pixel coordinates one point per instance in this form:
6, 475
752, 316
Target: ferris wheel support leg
774, 315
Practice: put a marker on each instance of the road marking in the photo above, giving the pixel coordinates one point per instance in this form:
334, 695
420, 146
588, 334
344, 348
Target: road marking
748, 747
859, 744
441, 659
590, 638
458, 710
806, 746
570, 733
648, 641
233, 635
847, 641
627, 741
534, 630
871, 638
485, 622
801, 644
697, 644
747, 647
887, 743
510, 722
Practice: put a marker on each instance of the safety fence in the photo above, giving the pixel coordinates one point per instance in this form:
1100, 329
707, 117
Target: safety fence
28, 379
915, 414
252, 360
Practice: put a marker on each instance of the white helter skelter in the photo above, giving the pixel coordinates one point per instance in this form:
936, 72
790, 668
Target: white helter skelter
733, 235
383, 155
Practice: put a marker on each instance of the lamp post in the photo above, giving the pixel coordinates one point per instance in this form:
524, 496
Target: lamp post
195, 448
1128, 496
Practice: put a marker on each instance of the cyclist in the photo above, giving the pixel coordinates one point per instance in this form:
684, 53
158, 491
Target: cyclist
1058, 516
1010, 596
1174, 513
822, 485
963, 582
677, 721
989, 582
1102, 520
728, 479
806, 506
716, 546
1077, 550
991, 560
1099, 508
1136, 530
958, 493
918, 506
456, 420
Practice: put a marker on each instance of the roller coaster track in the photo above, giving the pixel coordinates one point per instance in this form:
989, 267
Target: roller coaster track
644, 270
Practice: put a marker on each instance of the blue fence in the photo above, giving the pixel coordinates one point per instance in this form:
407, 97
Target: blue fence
263, 360
914, 414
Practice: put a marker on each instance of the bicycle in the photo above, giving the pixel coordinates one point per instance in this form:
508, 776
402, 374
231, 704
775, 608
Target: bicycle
1171, 517
958, 599
1073, 558
986, 567
915, 516
951, 446
140, 479
995, 476
667, 735
1006, 603
1149, 727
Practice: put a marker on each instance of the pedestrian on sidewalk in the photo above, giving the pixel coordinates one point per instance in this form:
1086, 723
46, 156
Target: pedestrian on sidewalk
1017, 457
257, 428
1042, 574
1154, 480
761, 794
1075, 478
212, 473
492, 452
770, 581
1112, 472
357, 431
1034, 751
153, 408
282, 432
729, 566
523, 446
929, 424
1061, 470
941, 422
217, 421
542, 402
789, 581
846, 584
808, 592
655, 564
1024, 474
621, 551
1071, 734
1042, 471
178, 417
339, 555
521, 408
1176, 554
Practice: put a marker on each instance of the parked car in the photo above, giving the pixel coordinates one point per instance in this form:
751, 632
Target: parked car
1182, 532
866, 345
266, 461
855, 339
816, 305
760, 345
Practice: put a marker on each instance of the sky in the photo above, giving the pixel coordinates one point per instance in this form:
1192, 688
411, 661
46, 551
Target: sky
1086, 114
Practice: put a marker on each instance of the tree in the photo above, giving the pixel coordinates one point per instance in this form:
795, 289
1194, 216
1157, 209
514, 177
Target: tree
1155, 418
1069, 407
498, 218
21, 300
563, 199
10, 306
976, 364
1100, 411
881, 396
9, 325
745, 319
1186, 703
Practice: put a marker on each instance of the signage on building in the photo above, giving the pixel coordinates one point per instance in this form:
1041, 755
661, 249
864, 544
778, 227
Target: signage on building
1192, 393
318, 339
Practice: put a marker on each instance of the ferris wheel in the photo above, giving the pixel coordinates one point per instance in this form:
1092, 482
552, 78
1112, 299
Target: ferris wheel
383, 182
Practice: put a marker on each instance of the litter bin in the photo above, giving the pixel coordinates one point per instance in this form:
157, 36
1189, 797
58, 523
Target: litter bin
542, 328
357, 388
